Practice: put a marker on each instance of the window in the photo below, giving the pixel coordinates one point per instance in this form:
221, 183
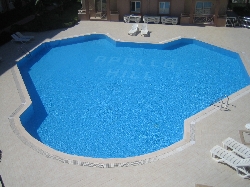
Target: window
164, 7
135, 6
100, 5
203, 7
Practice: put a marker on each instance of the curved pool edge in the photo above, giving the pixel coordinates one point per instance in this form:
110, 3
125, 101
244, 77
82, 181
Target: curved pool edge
187, 141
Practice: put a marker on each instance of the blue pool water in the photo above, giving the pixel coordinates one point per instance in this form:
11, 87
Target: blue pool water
94, 97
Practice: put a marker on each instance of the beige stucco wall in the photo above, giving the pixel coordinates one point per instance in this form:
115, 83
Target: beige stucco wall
152, 8
223, 7
187, 6
176, 7
113, 5
123, 7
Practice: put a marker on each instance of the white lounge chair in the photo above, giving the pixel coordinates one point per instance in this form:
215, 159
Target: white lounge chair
23, 36
220, 154
236, 147
153, 19
167, 19
18, 39
247, 126
134, 29
144, 29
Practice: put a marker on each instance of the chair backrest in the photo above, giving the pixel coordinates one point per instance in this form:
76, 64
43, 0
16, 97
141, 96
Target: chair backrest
237, 147
15, 37
134, 26
19, 34
244, 163
144, 26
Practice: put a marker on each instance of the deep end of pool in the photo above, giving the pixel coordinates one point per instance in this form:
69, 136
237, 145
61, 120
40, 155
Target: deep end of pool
96, 97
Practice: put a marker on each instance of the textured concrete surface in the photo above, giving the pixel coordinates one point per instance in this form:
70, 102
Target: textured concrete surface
22, 166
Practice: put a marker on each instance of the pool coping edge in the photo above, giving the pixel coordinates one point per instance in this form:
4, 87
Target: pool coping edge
187, 141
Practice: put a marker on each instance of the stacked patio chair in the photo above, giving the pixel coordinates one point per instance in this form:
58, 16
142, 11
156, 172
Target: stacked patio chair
236, 147
237, 157
222, 155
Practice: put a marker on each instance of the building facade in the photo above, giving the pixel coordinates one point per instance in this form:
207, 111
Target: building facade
188, 11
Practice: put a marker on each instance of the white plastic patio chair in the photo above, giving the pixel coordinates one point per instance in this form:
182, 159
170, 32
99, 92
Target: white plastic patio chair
133, 30
222, 155
20, 35
236, 147
247, 126
18, 39
144, 29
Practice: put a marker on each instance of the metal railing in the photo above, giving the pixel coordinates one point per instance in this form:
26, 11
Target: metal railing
238, 21
244, 22
209, 19
203, 19
82, 11
231, 21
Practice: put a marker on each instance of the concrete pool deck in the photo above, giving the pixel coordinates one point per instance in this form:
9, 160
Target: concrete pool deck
22, 166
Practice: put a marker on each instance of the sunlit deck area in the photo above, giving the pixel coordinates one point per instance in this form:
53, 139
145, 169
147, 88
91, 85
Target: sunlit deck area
23, 166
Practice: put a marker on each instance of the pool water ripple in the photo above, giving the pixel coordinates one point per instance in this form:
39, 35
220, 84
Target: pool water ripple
91, 98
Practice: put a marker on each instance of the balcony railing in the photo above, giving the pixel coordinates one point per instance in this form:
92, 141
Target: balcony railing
244, 22
231, 21
209, 19
238, 21
203, 19
82, 11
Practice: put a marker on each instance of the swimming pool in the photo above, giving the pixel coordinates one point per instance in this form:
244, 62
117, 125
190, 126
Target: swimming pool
96, 97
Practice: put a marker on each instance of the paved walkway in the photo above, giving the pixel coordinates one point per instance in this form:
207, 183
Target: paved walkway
22, 166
